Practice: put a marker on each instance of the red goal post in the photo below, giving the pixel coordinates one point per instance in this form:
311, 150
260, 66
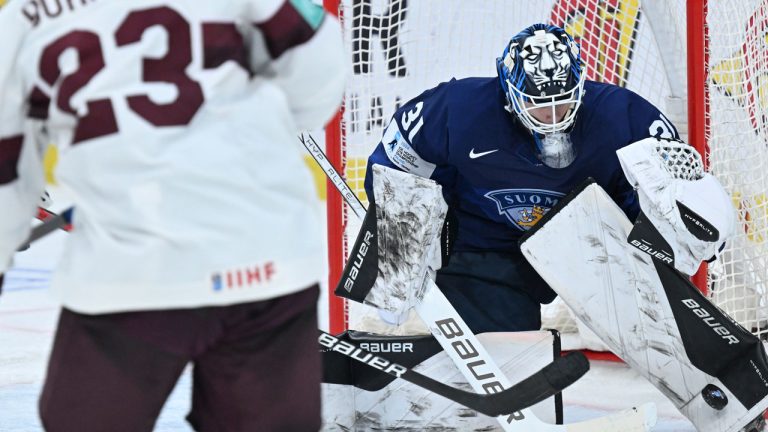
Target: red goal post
705, 66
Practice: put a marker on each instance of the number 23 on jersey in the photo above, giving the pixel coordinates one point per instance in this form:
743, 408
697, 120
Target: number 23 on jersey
99, 120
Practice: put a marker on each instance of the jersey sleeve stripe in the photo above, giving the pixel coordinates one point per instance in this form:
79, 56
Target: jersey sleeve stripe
286, 29
39, 103
10, 151
221, 43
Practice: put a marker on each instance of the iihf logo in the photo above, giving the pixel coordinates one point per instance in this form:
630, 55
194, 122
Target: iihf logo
243, 277
524, 207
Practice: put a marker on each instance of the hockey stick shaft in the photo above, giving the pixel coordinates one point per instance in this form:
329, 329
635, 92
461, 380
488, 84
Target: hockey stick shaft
633, 420
45, 215
346, 192
539, 386
51, 222
467, 353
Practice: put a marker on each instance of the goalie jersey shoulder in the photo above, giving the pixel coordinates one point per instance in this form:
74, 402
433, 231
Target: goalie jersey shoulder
621, 114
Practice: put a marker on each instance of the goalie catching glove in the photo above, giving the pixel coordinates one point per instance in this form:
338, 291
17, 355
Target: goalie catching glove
686, 214
398, 246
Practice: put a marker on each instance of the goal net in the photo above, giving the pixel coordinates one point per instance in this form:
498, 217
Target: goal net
399, 48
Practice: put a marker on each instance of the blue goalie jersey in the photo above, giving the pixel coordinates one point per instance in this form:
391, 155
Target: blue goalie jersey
460, 135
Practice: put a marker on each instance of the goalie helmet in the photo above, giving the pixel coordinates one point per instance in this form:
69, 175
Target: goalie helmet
541, 68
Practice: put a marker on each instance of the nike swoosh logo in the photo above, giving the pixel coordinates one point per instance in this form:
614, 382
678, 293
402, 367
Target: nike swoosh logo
473, 155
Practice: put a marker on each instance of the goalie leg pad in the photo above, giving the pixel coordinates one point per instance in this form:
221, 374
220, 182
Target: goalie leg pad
714, 371
356, 397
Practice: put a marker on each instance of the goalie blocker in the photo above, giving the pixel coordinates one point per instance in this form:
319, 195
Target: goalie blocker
399, 242
713, 370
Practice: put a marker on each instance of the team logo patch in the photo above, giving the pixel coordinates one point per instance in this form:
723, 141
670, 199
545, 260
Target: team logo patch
524, 207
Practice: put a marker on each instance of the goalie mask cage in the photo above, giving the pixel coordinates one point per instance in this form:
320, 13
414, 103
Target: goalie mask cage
705, 66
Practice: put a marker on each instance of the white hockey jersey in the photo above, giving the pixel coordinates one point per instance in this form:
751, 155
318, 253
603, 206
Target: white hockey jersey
176, 124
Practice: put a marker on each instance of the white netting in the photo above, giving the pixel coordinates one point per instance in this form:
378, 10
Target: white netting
738, 157
400, 48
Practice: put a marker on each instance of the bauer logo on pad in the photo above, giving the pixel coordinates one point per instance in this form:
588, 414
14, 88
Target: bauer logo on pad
362, 266
645, 237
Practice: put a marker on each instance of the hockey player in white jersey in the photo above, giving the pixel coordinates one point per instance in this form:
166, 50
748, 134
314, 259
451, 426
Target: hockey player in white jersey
196, 233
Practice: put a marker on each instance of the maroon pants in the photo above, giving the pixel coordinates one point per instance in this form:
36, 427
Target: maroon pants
256, 367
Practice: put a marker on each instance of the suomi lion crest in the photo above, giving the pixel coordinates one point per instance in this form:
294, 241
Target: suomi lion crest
524, 207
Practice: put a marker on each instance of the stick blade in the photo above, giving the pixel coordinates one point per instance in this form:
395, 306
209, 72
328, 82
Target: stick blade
547, 382
566, 370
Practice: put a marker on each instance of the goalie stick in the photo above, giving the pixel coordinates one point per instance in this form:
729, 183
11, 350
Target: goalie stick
543, 384
451, 332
